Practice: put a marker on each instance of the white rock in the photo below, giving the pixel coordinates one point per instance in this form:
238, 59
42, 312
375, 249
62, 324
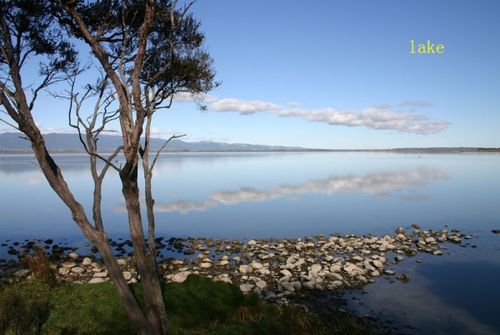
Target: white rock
180, 277
246, 288
256, 265
224, 278
353, 270
264, 271
389, 272
252, 243
286, 275
224, 262
96, 280
378, 264
205, 265
73, 255
22, 273
335, 268
77, 270
430, 240
244, 269
64, 271
127, 275
68, 264
122, 262
316, 268
261, 284
87, 261
102, 274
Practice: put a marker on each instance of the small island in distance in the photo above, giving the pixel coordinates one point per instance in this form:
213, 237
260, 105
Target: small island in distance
14, 143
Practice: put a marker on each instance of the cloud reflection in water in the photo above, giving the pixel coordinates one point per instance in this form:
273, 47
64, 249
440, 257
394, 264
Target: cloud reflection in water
378, 184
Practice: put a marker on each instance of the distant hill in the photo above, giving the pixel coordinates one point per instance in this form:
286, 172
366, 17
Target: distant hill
69, 143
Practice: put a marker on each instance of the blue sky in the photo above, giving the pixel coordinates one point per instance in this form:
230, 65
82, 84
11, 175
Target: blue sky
339, 74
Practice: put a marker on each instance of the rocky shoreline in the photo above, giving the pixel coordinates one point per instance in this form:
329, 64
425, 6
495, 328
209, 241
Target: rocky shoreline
274, 269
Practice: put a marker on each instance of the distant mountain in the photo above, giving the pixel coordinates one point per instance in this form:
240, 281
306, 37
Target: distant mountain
69, 143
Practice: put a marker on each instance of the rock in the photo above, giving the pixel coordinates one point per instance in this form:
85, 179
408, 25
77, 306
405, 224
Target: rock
73, 255
389, 272
122, 262
403, 277
127, 275
205, 265
316, 268
336, 268
64, 271
68, 264
496, 231
180, 277
224, 262
77, 270
353, 270
224, 278
87, 261
244, 269
357, 258
437, 252
400, 230
256, 265
251, 243
264, 271
102, 274
286, 275
378, 264
246, 288
22, 273
288, 286
415, 226
97, 280
261, 284
430, 240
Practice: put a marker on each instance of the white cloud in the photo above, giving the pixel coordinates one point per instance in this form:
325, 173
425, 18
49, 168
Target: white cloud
189, 97
243, 107
377, 117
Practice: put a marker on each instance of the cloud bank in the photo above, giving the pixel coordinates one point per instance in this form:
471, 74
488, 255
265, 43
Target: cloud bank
402, 118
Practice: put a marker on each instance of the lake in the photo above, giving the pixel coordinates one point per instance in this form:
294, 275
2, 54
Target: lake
254, 195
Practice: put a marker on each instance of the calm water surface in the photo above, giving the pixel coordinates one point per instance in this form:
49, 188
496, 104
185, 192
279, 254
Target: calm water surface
242, 195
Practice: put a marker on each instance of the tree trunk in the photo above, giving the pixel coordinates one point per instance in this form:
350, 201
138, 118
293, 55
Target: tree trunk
153, 298
99, 239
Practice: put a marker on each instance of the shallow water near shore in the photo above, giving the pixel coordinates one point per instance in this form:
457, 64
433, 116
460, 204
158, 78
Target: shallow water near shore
258, 195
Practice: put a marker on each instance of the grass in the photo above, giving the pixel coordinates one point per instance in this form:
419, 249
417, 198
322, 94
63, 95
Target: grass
197, 306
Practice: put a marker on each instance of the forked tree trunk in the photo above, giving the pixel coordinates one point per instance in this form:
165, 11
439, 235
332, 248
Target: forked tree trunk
140, 322
153, 298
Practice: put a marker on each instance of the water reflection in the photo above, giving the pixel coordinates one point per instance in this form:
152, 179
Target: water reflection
442, 297
379, 184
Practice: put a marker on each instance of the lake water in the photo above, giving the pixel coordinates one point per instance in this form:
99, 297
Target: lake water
252, 195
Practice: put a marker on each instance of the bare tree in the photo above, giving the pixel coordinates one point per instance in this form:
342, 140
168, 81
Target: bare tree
148, 51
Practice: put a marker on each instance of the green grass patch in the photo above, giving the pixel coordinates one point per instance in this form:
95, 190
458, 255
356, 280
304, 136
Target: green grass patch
197, 306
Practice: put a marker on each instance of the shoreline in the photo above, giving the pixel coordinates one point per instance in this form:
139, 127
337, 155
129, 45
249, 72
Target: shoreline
274, 269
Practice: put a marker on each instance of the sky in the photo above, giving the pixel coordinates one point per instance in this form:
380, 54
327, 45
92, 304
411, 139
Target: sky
339, 74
